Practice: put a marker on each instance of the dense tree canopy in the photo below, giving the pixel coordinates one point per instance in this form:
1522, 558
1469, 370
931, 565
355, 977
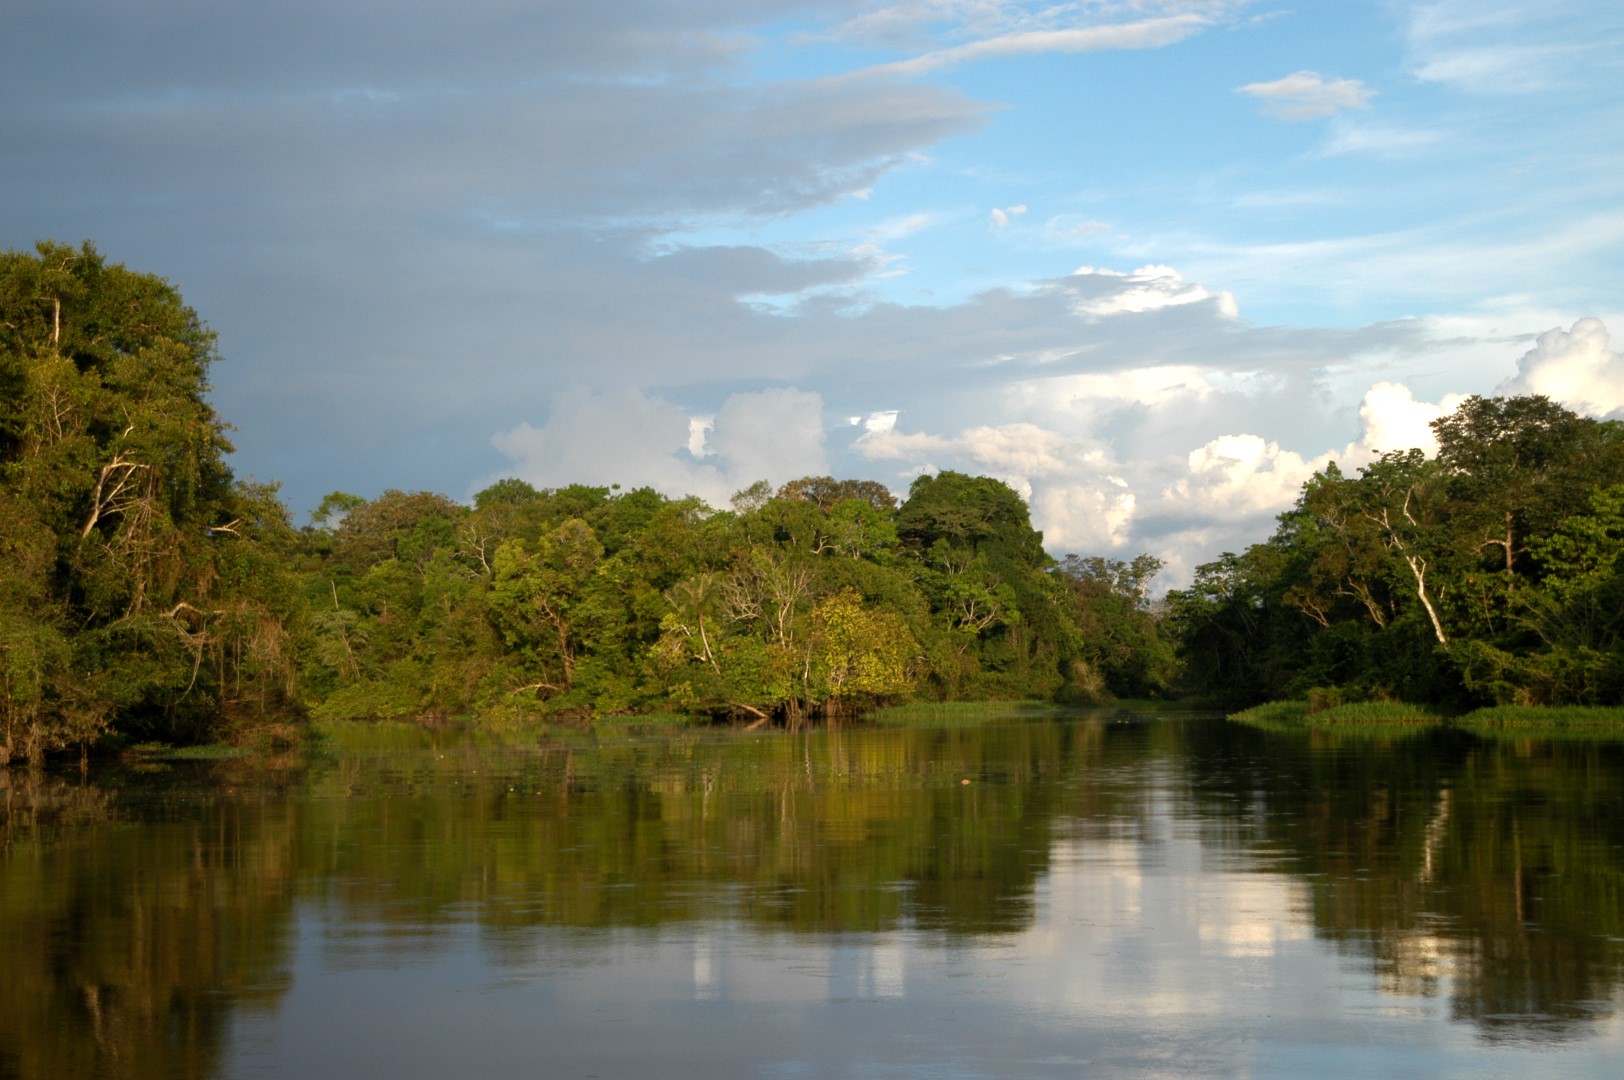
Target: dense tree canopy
146, 590
801, 603
1487, 574
141, 581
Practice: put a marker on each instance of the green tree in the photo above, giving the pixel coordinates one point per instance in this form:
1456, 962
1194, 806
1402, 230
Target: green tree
534, 597
1121, 650
862, 654
147, 589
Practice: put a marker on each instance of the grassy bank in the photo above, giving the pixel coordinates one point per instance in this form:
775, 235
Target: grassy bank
1508, 719
1546, 720
1293, 715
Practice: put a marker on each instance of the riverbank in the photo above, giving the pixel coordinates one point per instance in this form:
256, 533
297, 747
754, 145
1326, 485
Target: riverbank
1498, 719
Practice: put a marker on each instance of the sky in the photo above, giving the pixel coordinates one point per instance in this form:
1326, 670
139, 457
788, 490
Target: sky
1151, 262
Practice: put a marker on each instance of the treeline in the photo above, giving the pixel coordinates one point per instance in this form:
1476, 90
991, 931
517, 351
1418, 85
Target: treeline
821, 597
146, 591
1488, 574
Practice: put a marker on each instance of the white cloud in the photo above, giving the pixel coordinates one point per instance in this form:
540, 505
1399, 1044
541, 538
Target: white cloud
1349, 140
1076, 446
899, 227
1149, 288
1077, 500
1574, 367
1082, 394
1441, 264
1000, 216
1153, 33
882, 421
1308, 95
1018, 451
770, 434
909, 23
1246, 480
886, 443
699, 429
1500, 47
627, 438
1240, 476
1085, 517
1391, 419
1286, 200
1500, 69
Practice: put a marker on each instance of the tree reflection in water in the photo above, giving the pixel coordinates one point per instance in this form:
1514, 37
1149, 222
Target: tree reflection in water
141, 912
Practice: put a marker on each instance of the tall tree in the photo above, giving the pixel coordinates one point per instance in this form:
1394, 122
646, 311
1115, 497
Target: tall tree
137, 537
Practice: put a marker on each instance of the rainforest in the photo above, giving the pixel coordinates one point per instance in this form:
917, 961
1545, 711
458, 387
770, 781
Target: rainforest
147, 594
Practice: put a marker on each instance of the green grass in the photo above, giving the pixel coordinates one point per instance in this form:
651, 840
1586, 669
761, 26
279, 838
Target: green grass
1384, 713
1396, 717
1294, 716
1273, 716
1545, 720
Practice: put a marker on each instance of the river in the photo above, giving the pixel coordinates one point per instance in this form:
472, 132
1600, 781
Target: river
1104, 893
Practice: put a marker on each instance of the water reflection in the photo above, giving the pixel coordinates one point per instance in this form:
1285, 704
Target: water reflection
1490, 871
1154, 895
135, 920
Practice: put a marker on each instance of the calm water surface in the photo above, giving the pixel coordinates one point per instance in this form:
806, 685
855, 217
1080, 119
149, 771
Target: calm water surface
1107, 895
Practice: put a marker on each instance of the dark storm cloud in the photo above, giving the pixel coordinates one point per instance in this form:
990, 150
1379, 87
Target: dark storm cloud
131, 48
418, 226
411, 222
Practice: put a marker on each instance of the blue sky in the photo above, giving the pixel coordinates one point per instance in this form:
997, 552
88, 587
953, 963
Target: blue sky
1152, 262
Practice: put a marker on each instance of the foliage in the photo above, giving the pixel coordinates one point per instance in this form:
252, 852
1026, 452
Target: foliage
142, 585
1486, 575
147, 592
1548, 720
821, 599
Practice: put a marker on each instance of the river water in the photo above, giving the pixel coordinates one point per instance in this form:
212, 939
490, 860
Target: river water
1099, 894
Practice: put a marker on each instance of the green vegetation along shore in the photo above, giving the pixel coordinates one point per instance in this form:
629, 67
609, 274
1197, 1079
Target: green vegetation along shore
1580, 720
149, 595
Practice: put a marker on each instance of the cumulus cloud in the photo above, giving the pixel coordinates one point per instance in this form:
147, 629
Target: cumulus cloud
1075, 446
1088, 395
1240, 476
1391, 419
411, 232
1307, 95
1574, 367
772, 434
624, 437
1094, 515
1070, 481
1247, 478
1016, 451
